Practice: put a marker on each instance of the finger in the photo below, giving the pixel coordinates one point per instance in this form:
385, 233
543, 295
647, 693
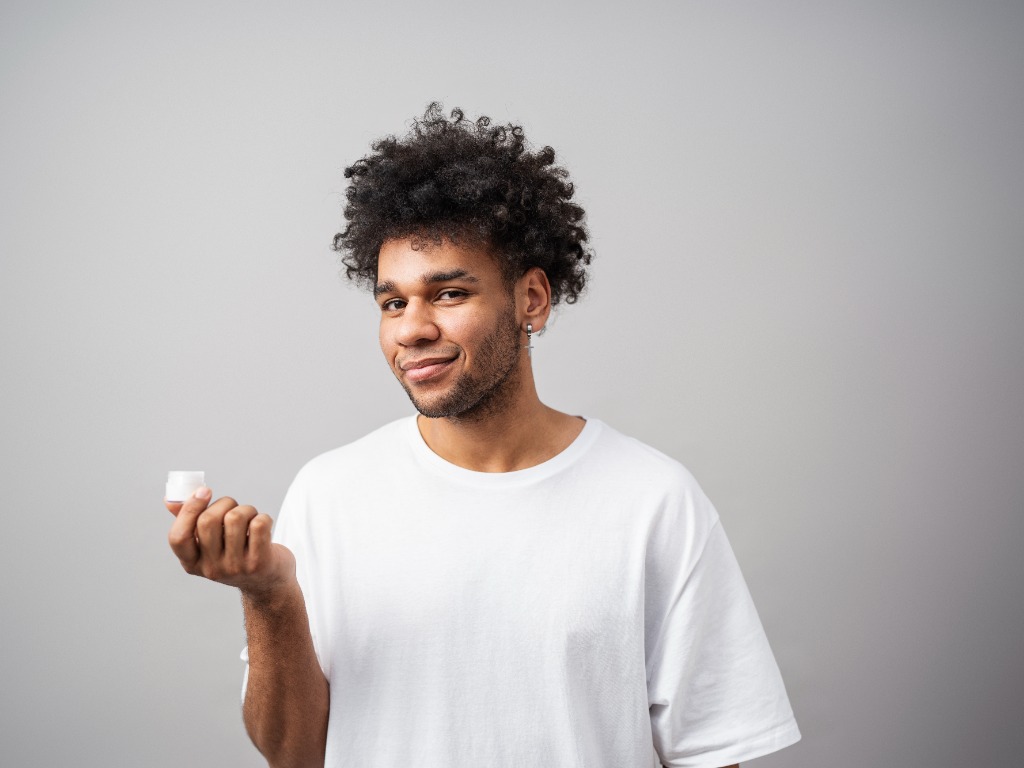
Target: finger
236, 528
174, 507
257, 553
182, 536
210, 527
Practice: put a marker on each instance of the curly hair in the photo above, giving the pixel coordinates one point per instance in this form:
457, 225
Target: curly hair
466, 180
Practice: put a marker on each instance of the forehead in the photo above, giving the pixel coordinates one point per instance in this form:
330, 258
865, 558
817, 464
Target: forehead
400, 263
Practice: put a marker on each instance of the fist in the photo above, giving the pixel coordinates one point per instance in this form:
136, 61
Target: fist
229, 543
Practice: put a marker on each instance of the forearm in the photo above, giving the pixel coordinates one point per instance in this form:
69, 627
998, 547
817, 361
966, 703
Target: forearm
287, 696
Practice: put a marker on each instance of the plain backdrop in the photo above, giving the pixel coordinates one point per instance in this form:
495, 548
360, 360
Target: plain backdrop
808, 227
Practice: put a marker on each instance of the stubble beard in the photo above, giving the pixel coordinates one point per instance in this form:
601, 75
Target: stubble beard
473, 398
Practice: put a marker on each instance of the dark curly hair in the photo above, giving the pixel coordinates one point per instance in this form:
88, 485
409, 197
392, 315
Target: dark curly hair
466, 181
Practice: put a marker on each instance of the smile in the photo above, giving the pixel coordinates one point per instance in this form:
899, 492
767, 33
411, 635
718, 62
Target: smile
426, 369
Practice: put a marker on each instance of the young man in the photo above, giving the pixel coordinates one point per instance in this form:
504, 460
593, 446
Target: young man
490, 582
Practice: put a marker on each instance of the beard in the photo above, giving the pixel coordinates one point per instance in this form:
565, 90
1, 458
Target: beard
489, 391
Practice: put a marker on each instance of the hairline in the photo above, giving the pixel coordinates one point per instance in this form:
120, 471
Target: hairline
429, 238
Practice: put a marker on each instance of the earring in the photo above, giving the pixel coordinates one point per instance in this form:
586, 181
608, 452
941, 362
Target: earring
529, 339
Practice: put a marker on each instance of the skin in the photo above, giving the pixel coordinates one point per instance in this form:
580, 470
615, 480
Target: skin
450, 304
452, 330
287, 696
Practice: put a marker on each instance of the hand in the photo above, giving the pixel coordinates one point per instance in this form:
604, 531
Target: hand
230, 544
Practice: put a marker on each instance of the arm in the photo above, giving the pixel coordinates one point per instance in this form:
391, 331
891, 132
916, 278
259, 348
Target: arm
287, 696
286, 699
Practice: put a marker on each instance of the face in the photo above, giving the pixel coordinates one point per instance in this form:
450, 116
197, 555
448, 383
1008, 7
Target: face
448, 328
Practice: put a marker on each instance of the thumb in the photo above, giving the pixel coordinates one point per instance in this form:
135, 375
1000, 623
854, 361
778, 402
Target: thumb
174, 507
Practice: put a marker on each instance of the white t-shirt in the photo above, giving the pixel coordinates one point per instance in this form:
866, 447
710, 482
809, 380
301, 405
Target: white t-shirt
587, 611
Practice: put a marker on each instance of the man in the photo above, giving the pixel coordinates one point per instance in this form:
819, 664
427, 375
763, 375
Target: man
490, 582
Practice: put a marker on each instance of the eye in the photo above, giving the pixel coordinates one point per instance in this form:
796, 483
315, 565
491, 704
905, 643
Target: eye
392, 305
451, 293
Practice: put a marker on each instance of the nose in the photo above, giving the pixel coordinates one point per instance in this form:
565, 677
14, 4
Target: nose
416, 325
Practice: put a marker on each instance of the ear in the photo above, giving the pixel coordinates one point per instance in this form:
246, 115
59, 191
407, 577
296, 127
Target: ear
533, 296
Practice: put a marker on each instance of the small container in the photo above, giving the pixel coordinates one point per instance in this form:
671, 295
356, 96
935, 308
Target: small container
182, 484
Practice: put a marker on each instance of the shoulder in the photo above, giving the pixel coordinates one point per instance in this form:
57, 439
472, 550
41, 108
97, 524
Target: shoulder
653, 485
625, 455
342, 479
361, 458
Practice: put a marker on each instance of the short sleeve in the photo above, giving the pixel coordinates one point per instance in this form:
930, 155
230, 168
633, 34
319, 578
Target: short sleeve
715, 692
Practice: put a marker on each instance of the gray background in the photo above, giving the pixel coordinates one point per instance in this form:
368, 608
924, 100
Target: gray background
807, 289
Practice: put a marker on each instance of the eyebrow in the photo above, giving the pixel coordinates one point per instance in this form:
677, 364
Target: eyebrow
430, 278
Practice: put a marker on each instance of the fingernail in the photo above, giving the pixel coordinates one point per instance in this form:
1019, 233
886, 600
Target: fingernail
202, 493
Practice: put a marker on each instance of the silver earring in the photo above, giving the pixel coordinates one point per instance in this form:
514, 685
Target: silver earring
529, 339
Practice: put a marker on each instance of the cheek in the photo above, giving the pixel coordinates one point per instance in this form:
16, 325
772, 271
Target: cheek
460, 328
386, 342
467, 329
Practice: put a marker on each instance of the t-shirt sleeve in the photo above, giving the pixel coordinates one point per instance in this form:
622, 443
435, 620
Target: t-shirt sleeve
715, 692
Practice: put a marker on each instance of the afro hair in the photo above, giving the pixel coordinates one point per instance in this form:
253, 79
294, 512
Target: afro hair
466, 181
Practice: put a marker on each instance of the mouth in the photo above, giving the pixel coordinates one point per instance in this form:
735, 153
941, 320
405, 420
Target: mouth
425, 368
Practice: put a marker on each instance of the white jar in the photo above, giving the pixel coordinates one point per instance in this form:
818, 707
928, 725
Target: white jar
182, 484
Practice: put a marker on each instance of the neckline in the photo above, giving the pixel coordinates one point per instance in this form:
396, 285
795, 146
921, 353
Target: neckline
517, 478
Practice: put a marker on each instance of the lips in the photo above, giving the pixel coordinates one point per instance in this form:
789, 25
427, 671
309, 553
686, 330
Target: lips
425, 368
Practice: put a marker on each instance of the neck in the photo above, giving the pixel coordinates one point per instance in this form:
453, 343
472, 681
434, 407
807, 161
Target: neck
522, 434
